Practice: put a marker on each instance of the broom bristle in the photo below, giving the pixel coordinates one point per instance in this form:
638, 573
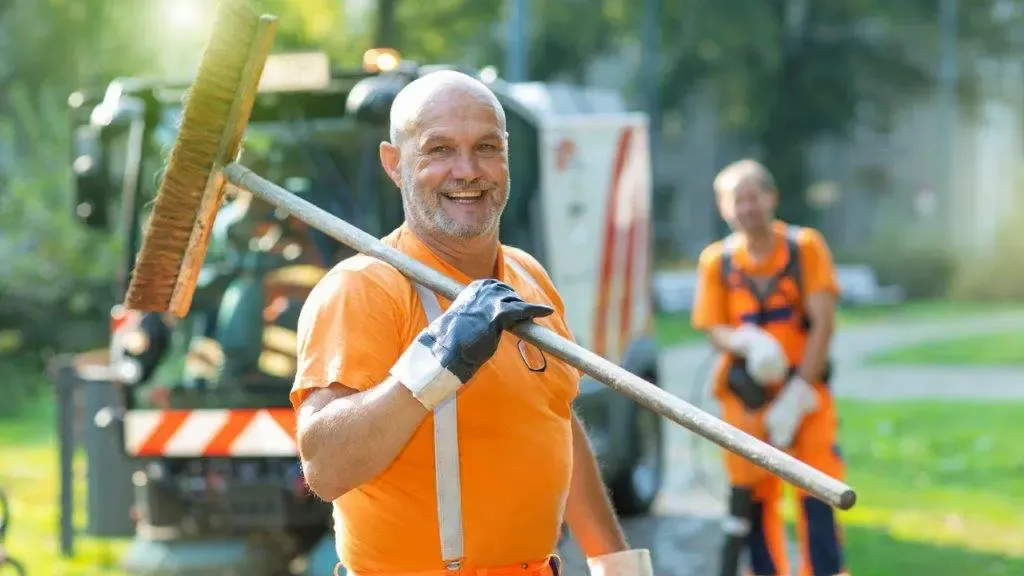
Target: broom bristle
212, 124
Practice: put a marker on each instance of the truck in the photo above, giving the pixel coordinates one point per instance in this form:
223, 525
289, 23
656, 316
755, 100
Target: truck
197, 461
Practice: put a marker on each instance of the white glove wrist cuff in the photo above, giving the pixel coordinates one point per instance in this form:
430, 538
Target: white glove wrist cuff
805, 392
635, 562
419, 371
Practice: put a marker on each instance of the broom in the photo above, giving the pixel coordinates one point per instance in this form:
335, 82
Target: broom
202, 161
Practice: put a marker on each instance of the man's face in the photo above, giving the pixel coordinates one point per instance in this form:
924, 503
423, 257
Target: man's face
454, 168
748, 207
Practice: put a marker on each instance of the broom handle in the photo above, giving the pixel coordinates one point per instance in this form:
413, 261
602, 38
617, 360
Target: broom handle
619, 379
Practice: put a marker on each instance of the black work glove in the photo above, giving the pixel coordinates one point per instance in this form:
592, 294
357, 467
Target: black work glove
449, 351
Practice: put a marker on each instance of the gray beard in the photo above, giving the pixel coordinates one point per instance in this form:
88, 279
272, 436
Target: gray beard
435, 218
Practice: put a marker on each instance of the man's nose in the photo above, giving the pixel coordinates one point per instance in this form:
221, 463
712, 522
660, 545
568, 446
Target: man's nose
465, 166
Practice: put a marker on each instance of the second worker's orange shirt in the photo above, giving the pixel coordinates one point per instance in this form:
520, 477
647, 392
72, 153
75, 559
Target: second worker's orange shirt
514, 427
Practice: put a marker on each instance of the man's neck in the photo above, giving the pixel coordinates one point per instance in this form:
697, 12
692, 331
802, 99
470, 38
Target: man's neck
760, 243
474, 257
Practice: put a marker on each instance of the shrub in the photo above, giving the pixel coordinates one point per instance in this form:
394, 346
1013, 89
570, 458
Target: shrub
916, 260
1000, 275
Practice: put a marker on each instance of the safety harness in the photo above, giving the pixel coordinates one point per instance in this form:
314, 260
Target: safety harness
752, 394
790, 270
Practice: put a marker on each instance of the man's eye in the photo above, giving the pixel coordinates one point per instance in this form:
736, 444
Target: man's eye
438, 149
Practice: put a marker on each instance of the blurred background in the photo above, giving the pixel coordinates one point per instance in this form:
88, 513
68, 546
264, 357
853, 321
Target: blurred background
895, 128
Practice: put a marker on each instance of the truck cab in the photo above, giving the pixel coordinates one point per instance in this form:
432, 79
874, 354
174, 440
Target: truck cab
203, 414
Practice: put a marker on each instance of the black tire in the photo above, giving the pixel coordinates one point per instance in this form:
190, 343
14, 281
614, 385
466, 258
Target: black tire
636, 487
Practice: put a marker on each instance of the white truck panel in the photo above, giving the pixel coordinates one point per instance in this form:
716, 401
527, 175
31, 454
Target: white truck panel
596, 182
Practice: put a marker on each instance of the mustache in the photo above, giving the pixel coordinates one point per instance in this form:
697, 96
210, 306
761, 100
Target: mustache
475, 185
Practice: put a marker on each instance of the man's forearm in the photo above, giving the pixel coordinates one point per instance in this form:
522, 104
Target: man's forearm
352, 439
588, 510
816, 352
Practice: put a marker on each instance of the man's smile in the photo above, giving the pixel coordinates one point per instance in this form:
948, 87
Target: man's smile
464, 196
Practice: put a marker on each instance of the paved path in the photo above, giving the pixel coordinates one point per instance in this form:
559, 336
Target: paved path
681, 366
891, 382
683, 533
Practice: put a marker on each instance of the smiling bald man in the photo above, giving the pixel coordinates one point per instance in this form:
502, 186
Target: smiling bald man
447, 444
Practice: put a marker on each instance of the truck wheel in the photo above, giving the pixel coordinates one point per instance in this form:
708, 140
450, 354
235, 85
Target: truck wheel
637, 486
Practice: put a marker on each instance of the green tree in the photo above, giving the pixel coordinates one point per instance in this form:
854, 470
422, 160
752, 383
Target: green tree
788, 71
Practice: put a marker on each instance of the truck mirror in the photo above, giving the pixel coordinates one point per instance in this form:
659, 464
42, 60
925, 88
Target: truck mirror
92, 186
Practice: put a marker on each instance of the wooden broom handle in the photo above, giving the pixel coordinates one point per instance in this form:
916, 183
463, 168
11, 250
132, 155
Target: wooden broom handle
615, 377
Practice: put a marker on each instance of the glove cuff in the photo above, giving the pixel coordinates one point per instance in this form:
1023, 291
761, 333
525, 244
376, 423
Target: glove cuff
636, 562
806, 396
419, 370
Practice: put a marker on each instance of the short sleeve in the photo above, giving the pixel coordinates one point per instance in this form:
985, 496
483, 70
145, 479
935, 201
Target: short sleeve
349, 333
818, 269
709, 301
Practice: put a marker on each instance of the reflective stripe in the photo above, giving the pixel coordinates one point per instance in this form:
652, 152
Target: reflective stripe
446, 459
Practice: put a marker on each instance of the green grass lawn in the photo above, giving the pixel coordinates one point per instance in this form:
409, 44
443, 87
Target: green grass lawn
29, 476
674, 329
941, 492
998, 349
940, 488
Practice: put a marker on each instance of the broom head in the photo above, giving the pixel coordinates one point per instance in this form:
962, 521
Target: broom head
215, 115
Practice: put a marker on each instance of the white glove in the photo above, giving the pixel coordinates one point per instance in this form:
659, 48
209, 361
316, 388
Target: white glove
449, 351
635, 562
766, 361
784, 415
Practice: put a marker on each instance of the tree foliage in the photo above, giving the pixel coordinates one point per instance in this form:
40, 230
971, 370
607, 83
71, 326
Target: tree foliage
784, 72
788, 71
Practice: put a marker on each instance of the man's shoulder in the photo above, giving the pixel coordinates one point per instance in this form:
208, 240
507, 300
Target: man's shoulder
535, 271
358, 276
710, 257
527, 261
806, 237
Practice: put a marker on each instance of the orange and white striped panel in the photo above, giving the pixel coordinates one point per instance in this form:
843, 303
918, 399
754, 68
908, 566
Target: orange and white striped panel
210, 433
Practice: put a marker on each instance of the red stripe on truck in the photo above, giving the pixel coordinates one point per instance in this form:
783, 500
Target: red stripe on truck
609, 243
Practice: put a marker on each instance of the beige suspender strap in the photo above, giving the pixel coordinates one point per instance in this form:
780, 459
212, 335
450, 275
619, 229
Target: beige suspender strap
446, 447
446, 459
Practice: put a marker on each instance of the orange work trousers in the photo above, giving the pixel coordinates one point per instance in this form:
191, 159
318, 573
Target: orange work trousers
815, 443
548, 567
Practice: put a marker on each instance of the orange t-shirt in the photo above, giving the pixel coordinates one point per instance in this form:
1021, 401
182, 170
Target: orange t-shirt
718, 304
514, 428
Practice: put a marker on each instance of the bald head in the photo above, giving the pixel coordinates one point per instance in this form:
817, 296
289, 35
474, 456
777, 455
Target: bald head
424, 93
741, 171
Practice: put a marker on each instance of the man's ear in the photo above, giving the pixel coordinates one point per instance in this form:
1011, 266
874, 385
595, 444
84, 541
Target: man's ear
389, 159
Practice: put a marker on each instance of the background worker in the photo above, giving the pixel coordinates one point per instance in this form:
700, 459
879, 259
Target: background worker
766, 297
446, 444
